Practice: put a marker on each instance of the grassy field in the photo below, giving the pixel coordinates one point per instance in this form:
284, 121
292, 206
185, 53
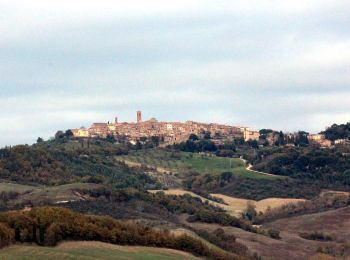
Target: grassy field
6, 187
61, 192
236, 206
177, 162
55, 194
91, 250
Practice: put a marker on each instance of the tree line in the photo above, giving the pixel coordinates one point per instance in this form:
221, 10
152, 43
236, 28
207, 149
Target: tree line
49, 225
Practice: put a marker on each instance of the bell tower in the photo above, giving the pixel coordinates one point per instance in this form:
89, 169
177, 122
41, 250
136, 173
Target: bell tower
139, 117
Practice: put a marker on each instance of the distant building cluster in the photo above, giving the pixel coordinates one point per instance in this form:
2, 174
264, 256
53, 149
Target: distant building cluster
170, 132
175, 132
320, 139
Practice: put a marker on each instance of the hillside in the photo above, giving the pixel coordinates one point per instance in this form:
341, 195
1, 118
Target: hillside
334, 223
55, 163
47, 226
168, 161
232, 205
91, 250
214, 201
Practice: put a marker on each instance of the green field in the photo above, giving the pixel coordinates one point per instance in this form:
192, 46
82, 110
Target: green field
177, 162
90, 250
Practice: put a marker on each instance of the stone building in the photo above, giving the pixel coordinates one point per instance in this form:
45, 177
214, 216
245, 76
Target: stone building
251, 135
171, 132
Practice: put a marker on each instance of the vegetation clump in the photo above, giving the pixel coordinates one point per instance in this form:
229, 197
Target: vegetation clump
316, 235
49, 225
54, 163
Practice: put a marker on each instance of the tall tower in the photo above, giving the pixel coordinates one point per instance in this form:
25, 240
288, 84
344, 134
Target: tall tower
116, 120
139, 117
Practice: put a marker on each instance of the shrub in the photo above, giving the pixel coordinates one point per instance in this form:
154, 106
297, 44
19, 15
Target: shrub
273, 233
319, 236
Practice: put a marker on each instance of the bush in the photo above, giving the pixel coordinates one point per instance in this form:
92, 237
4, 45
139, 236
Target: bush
273, 233
6, 235
318, 236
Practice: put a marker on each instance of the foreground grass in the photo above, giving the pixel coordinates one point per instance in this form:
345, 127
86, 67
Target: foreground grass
177, 162
91, 250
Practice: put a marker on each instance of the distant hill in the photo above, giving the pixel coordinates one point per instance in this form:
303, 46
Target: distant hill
52, 163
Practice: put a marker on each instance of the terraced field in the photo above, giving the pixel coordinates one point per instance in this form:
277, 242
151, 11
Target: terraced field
177, 162
91, 250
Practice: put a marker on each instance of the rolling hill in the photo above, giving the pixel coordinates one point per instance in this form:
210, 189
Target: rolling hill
91, 250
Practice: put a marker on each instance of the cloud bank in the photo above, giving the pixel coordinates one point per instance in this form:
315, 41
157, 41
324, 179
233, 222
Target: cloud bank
262, 63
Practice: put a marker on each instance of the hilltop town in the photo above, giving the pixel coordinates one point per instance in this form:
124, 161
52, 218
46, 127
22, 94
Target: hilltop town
176, 132
169, 132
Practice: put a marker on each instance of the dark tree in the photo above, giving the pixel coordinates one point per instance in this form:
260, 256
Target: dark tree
59, 135
264, 133
193, 137
207, 135
68, 133
110, 138
301, 139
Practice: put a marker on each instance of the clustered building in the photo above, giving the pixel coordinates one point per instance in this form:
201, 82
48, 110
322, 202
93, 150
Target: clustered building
173, 132
170, 132
320, 139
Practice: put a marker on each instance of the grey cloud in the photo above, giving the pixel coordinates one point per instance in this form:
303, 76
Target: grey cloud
264, 66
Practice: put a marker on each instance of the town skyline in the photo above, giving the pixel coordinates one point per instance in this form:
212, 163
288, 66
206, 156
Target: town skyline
171, 133
131, 117
167, 125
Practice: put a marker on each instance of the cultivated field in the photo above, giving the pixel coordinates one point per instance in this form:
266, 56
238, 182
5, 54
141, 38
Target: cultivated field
177, 162
238, 205
335, 223
91, 250
235, 206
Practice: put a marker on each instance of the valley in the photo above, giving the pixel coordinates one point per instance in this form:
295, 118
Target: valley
200, 203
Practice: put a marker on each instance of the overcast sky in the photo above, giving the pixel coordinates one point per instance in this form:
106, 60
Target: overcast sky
280, 64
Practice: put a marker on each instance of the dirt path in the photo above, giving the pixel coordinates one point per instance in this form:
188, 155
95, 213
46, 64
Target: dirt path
250, 166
